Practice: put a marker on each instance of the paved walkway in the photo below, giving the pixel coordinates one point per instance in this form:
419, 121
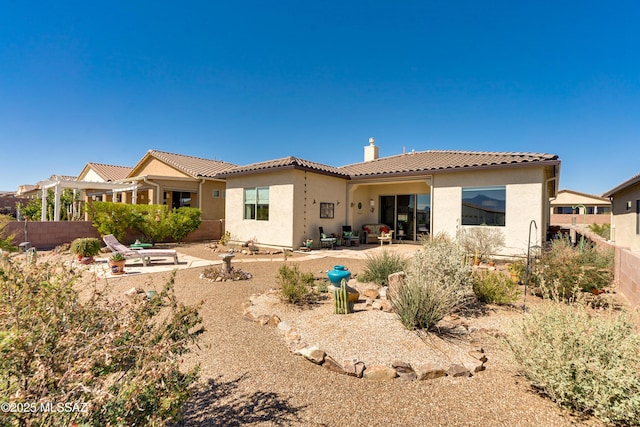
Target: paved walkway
157, 265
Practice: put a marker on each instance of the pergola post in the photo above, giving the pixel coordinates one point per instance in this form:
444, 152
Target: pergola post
43, 213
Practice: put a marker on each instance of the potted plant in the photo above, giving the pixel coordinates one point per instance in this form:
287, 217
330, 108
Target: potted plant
85, 248
116, 263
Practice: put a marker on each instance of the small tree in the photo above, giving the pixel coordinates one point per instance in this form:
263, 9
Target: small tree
117, 361
482, 241
438, 282
6, 240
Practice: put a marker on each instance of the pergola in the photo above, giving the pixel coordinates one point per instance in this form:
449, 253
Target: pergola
60, 184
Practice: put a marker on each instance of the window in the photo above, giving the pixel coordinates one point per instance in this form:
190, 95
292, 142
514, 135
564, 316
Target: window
256, 203
565, 210
484, 206
326, 210
216, 194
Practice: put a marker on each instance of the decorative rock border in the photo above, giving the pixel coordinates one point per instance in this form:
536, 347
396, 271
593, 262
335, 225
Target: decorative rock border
376, 300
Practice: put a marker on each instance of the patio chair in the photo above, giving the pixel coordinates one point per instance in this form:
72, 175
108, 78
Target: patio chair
348, 238
326, 240
144, 254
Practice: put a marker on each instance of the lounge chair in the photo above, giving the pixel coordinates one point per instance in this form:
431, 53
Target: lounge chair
144, 254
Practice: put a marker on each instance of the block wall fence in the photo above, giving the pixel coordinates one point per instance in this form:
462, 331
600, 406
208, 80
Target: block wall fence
46, 235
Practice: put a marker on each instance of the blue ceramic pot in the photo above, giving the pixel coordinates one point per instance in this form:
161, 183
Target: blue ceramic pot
338, 273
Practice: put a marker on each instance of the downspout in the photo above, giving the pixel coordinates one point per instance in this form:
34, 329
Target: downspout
548, 204
200, 184
155, 193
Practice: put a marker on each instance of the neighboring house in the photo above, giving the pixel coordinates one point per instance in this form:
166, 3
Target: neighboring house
625, 223
159, 177
177, 180
574, 208
283, 202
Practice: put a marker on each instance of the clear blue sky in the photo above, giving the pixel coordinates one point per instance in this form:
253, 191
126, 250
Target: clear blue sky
247, 81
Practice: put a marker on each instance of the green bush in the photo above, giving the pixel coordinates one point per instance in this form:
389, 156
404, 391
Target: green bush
120, 358
586, 362
154, 222
111, 218
602, 230
6, 240
494, 287
567, 269
295, 285
183, 221
438, 281
378, 267
85, 246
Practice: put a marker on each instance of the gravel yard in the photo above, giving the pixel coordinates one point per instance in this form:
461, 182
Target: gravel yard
249, 376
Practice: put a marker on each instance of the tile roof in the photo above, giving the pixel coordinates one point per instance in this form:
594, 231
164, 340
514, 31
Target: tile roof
442, 160
110, 172
193, 166
62, 178
285, 163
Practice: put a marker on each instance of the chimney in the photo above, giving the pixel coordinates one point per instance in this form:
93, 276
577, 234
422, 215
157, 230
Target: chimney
371, 151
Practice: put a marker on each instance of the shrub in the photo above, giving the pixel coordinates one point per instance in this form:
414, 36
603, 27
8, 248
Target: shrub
183, 221
494, 287
295, 285
378, 267
582, 361
120, 358
481, 241
6, 241
111, 218
567, 270
438, 281
602, 230
85, 246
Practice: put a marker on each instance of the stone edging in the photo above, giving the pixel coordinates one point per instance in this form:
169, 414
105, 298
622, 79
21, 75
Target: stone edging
359, 369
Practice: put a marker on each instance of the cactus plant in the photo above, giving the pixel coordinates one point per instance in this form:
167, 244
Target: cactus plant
342, 305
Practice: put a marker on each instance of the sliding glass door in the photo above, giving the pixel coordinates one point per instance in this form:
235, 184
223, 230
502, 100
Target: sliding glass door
408, 214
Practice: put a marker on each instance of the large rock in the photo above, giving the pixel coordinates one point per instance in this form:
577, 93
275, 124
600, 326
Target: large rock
332, 365
353, 367
430, 371
457, 370
404, 371
313, 354
379, 373
395, 280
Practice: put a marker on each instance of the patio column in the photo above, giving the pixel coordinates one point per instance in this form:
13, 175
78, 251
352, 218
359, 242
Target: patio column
43, 213
56, 205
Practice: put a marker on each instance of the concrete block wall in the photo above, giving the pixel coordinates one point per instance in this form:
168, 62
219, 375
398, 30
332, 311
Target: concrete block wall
628, 275
46, 235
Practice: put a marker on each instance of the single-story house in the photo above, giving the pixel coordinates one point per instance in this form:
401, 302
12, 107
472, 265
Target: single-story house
575, 208
159, 177
284, 202
625, 222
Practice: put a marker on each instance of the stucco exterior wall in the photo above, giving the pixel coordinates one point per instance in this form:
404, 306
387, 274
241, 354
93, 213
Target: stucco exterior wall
156, 167
278, 230
293, 215
311, 190
526, 200
625, 219
212, 207
91, 176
